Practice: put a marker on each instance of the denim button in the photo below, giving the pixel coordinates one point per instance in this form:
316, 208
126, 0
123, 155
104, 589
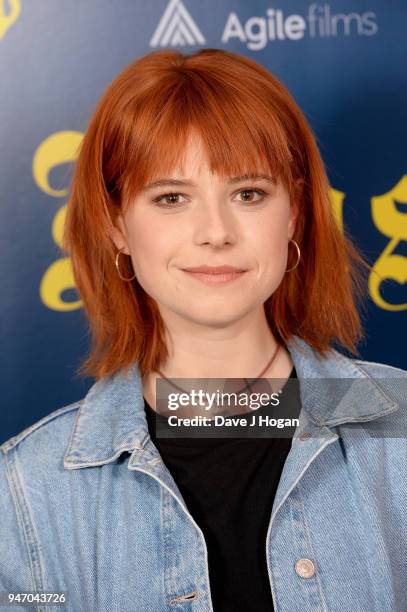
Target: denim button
305, 568
304, 436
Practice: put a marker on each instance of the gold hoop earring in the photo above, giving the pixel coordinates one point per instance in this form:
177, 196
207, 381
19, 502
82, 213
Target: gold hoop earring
298, 255
118, 269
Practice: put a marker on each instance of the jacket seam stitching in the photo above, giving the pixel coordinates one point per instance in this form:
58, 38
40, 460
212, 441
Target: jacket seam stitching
72, 434
308, 533
25, 522
89, 462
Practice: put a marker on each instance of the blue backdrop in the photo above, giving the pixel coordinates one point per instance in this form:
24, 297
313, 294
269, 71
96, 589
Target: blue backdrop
344, 63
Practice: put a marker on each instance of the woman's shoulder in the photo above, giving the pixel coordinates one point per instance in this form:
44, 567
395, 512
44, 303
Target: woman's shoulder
49, 432
387, 379
376, 369
31, 470
68, 438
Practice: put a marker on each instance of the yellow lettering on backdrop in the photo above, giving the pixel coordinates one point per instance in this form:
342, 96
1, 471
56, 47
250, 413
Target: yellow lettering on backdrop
7, 20
56, 149
393, 224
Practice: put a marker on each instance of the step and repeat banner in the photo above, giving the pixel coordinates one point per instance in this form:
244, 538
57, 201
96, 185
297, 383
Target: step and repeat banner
343, 61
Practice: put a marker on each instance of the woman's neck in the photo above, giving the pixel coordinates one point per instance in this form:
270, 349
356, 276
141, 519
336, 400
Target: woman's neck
222, 355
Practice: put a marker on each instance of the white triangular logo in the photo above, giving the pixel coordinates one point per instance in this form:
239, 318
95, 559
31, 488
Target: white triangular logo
176, 28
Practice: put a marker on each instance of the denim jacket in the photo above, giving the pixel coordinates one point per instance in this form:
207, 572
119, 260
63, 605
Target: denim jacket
88, 507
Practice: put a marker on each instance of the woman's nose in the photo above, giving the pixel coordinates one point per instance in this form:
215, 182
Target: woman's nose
214, 224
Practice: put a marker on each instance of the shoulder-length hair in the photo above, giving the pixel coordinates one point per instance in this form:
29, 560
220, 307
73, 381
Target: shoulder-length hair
245, 118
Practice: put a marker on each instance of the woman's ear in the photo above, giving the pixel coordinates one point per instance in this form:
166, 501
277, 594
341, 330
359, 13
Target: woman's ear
118, 235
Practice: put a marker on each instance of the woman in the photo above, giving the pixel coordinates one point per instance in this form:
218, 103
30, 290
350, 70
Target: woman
204, 245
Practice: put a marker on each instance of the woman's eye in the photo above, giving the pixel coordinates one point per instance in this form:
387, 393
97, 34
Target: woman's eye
250, 193
168, 200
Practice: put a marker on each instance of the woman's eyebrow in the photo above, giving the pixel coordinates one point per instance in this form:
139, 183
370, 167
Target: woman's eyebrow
166, 182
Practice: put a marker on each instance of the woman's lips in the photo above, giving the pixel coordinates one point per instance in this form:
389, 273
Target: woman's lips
215, 278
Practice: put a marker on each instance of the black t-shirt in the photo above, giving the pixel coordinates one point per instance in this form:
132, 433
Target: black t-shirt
229, 485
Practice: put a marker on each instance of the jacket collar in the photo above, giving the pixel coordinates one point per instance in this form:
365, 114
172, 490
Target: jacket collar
111, 417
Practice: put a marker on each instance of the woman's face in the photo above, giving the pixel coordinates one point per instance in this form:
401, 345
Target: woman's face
244, 223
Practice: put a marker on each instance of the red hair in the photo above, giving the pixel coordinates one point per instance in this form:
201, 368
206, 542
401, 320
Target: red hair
247, 121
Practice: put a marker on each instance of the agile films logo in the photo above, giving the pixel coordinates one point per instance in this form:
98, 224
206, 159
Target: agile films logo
177, 28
